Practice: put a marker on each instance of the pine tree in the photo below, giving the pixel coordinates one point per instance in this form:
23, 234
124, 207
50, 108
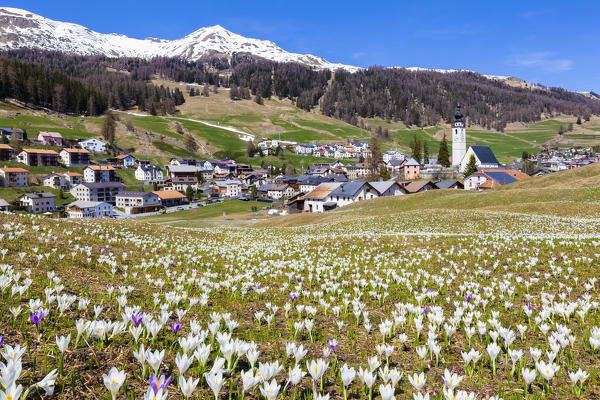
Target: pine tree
108, 127
189, 193
443, 153
416, 149
375, 150
425, 152
471, 166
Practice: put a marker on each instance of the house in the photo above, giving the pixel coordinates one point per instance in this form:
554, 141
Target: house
170, 198
387, 188
14, 177
38, 157
418, 186
4, 205
410, 170
359, 170
37, 201
64, 180
74, 157
489, 179
318, 199
230, 188
181, 183
97, 191
50, 138
484, 158
17, 134
138, 202
6, 152
280, 191
93, 144
149, 174
89, 209
122, 161
449, 185
351, 192
392, 155
100, 173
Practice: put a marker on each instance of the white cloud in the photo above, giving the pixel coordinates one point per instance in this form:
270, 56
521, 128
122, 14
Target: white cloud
544, 60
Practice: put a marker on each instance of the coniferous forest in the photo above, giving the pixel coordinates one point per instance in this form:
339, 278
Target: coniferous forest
92, 84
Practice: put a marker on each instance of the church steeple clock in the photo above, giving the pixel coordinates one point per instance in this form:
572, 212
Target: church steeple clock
459, 137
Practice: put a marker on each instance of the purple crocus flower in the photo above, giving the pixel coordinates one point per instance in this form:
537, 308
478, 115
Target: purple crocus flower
36, 317
333, 344
175, 327
159, 383
1, 340
299, 279
425, 309
137, 319
468, 297
292, 297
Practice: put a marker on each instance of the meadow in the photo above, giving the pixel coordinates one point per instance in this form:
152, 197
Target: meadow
386, 300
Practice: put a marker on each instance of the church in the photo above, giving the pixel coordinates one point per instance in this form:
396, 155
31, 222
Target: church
484, 156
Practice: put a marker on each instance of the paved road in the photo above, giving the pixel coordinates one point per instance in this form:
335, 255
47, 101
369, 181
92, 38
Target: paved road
120, 214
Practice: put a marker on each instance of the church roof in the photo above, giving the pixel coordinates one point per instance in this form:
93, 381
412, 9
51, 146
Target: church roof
485, 155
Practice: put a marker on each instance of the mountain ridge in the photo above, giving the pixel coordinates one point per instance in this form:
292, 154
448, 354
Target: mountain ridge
23, 29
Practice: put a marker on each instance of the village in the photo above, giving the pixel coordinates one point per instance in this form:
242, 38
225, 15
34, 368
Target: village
189, 182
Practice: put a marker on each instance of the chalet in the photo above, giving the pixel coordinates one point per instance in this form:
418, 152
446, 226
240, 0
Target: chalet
50, 138
4, 205
410, 170
138, 202
6, 152
99, 173
489, 179
318, 199
484, 158
418, 186
392, 155
387, 188
230, 188
149, 174
170, 198
38, 157
14, 177
181, 183
37, 202
122, 161
186, 161
74, 157
93, 144
351, 192
97, 191
280, 191
89, 209
359, 170
64, 180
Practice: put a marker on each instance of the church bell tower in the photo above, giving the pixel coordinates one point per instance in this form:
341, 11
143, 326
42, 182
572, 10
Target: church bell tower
459, 137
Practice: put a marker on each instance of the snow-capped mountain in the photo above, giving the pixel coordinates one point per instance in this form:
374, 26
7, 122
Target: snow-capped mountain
23, 29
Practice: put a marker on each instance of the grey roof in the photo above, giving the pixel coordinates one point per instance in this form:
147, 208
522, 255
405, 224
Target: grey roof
412, 162
86, 204
4, 203
485, 154
395, 162
348, 188
382, 186
39, 195
103, 185
446, 184
135, 194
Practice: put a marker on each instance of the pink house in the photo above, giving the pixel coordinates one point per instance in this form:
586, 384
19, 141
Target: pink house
50, 138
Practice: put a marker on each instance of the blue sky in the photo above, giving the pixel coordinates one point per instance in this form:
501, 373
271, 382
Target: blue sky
556, 43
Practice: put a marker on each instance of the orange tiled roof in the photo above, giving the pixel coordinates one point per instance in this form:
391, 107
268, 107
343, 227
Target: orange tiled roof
168, 194
14, 169
40, 151
5, 147
76, 150
101, 168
